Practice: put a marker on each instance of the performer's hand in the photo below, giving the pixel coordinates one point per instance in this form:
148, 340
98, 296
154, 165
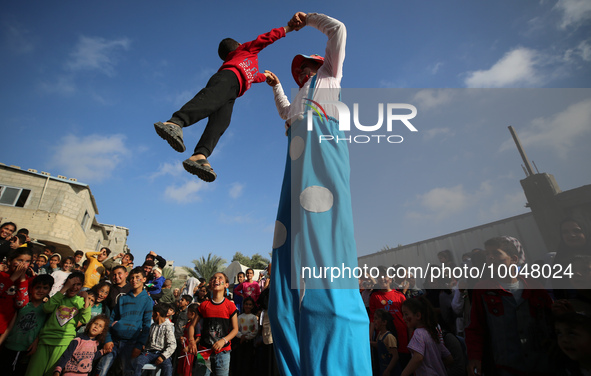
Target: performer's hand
272, 79
158, 361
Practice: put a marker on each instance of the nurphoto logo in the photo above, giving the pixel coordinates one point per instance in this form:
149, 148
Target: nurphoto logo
392, 115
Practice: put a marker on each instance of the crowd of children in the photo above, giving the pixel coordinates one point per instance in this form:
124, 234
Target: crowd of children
50, 324
502, 325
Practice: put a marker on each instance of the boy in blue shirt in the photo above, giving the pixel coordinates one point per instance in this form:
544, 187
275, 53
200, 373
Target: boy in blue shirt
130, 326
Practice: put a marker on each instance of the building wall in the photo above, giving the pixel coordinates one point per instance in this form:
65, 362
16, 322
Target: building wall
54, 211
420, 254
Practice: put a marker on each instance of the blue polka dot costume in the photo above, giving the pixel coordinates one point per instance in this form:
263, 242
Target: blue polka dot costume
319, 327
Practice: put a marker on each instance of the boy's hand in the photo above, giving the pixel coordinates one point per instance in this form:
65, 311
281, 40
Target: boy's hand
272, 79
158, 361
20, 272
108, 347
218, 346
298, 21
33, 347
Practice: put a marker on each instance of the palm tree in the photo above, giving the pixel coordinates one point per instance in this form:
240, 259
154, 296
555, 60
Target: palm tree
206, 268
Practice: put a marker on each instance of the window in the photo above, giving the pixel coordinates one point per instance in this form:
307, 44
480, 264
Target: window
14, 196
85, 220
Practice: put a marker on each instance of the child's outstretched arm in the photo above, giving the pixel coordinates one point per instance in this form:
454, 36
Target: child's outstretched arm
281, 101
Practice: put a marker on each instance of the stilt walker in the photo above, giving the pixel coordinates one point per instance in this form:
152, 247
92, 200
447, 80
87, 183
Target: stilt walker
319, 327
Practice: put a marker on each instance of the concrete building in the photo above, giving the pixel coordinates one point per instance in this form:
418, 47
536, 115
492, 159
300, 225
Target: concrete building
57, 211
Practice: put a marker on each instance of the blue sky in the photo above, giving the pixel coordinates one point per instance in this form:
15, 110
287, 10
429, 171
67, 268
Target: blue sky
83, 82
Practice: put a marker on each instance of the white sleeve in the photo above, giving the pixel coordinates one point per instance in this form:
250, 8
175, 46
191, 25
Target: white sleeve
336, 32
281, 101
457, 303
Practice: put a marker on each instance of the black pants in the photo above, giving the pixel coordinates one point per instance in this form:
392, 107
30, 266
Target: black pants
215, 101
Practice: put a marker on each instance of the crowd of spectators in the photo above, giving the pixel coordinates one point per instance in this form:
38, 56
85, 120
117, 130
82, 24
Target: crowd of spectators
94, 314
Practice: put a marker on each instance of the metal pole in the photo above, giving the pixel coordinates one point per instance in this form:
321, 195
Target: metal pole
521, 151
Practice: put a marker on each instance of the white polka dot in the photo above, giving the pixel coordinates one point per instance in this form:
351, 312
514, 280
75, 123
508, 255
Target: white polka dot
280, 235
296, 147
316, 199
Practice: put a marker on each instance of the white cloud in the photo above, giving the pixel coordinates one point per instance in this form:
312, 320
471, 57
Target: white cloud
435, 68
557, 132
236, 190
439, 133
517, 67
17, 37
430, 98
509, 205
240, 219
90, 158
171, 169
96, 54
186, 192
443, 202
62, 85
582, 50
574, 12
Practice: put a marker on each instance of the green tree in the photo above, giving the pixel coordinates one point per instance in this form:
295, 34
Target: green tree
256, 261
206, 268
168, 273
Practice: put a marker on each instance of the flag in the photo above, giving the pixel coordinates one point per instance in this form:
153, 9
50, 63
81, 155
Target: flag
202, 358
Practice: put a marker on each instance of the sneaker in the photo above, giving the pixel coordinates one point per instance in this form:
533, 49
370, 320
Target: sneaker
171, 133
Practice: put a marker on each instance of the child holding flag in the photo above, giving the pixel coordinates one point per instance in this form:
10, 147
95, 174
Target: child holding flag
220, 325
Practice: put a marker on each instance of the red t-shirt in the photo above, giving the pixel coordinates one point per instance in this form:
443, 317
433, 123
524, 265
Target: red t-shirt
391, 301
217, 322
244, 61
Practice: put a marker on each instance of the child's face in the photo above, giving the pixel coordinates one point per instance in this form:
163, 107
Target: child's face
572, 234
170, 312
75, 288
97, 328
102, 256
191, 315
40, 262
249, 275
498, 257
26, 259
202, 292
248, 306
92, 298
240, 277
137, 281
78, 258
575, 342
40, 291
385, 281
68, 265
6, 231
53, 262
102, 294
411, 319
218, 282
378, 323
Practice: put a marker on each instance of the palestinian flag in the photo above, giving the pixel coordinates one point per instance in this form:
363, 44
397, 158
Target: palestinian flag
202, 358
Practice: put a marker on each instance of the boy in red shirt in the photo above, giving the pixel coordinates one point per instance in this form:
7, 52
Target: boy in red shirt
216, 100
390, 301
